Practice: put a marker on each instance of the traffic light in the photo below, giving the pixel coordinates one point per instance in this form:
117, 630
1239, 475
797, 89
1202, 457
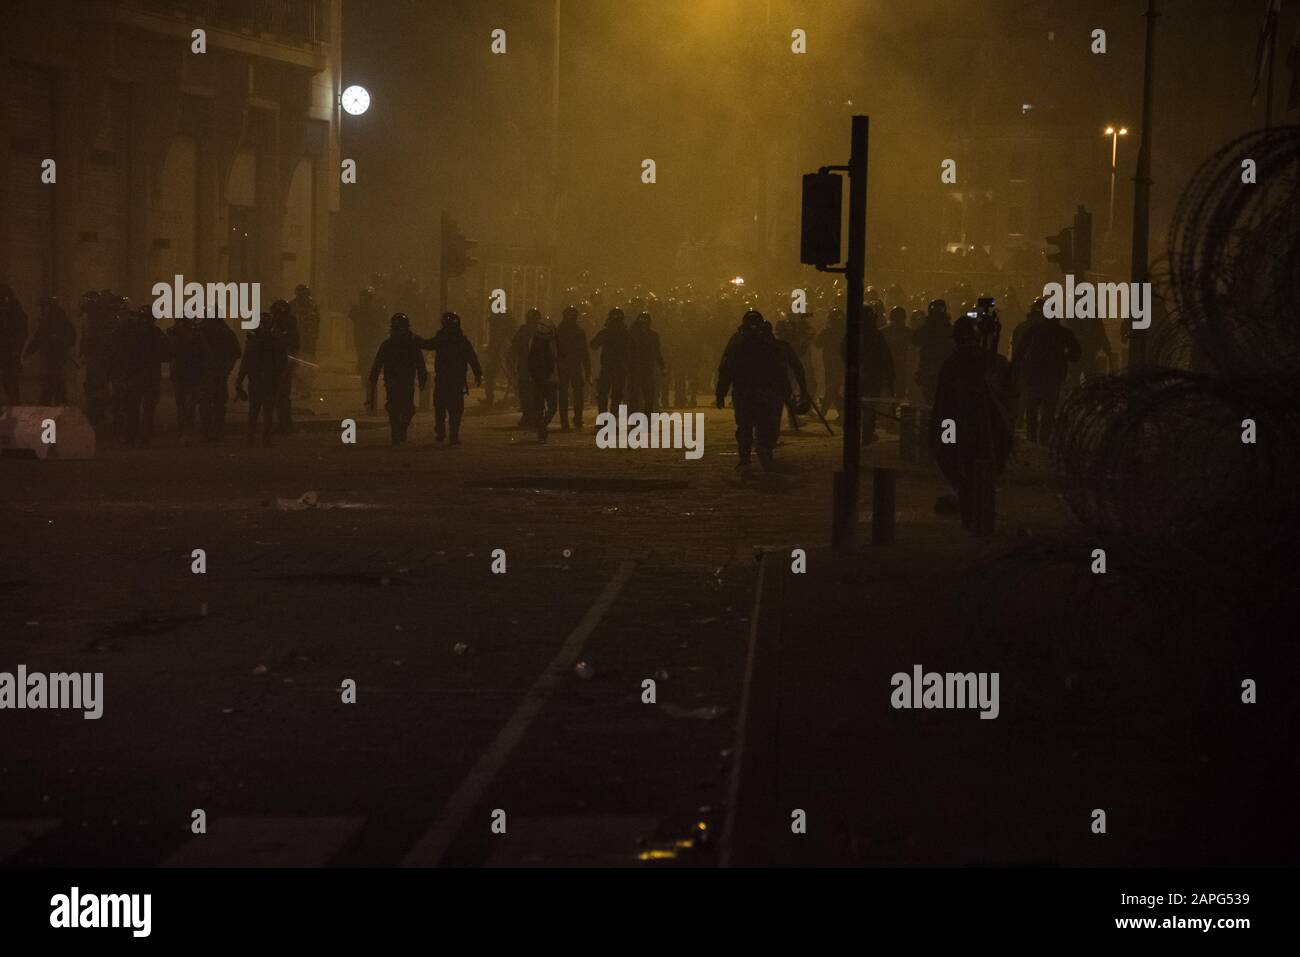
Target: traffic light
456, 249
819, 239
1082, 240
1064, 256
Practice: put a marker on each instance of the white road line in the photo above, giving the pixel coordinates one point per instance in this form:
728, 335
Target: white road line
431, 846
733, 790
266, 842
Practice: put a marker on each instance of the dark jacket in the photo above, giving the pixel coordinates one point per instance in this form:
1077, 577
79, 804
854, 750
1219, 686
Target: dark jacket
265, 358
574, 354
753, 366
400, 360
453, 357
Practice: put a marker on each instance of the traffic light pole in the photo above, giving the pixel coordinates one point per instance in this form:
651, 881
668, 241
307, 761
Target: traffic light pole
855, 268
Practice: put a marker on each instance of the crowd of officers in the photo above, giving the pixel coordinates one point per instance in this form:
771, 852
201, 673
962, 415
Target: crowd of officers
647, 354
650, 354
121, 351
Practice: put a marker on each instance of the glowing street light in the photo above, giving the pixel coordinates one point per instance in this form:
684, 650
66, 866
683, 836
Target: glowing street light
738, 281
1114, 134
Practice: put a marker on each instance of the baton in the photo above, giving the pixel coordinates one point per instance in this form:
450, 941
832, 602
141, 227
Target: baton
303, 362
813, 403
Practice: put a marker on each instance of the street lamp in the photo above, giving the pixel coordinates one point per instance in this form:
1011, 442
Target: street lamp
1114, 134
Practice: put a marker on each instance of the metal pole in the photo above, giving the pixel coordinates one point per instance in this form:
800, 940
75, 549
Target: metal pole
1140, 263
855, 269
1114, 159
555, 162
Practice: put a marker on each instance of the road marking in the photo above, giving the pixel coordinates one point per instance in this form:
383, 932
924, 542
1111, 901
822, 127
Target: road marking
266, 842
17, 833
738, 753
433, 844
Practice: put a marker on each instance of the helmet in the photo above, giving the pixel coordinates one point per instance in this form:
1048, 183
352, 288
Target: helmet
898, 312
1036, 307
300, 289
278, 307
643, 317
963, 329
616, 314
570, 312
937, 306
753, 319
400, 320
451, 319
533, 315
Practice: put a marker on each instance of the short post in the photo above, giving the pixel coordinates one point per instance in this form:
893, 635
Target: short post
883, 490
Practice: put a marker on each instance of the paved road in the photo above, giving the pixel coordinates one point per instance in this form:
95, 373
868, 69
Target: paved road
222, 690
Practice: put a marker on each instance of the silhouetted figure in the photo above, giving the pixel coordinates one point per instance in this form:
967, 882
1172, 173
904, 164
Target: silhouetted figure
186, 373
220, 354
520, 348
94, 350
831, 342
876, 366
306, 316
285, 325
974, 394
1042, 359
797, 330
497, 366
13, 336
934, 343
52, 344
754, 370
544, 378
612, 343
453, 359
146, 349
899, 339
263, 365
796, 391
400, 360
645, 365
575, 367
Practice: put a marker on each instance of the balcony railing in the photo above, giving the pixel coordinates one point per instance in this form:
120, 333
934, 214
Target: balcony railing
291, 21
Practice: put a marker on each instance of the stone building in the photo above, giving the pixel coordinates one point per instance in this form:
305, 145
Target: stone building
217, 166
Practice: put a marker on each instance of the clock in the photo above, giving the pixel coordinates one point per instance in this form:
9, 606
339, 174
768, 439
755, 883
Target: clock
355, 100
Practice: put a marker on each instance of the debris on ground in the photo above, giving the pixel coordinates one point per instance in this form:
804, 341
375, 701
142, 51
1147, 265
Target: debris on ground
704, 713
308, 499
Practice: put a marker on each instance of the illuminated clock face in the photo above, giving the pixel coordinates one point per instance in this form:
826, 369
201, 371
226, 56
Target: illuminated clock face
356, 100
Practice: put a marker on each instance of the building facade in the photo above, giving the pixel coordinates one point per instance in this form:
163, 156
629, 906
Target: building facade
217, 166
